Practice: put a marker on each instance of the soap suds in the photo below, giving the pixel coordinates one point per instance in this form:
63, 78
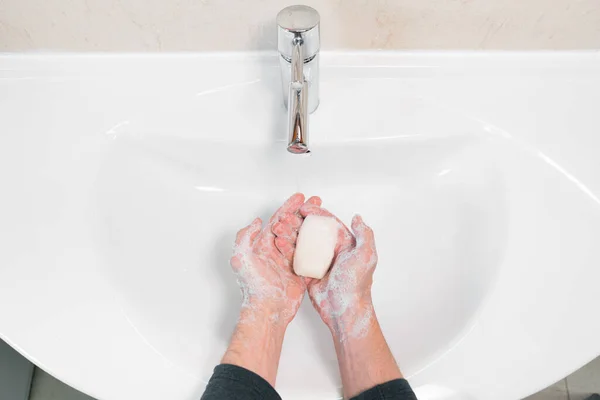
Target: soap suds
349, 281
343, 296
253, 265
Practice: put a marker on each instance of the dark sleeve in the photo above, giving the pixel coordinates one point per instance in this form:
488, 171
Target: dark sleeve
398, 389
230, 382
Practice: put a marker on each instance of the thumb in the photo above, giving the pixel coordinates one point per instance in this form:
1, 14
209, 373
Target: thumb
363, 233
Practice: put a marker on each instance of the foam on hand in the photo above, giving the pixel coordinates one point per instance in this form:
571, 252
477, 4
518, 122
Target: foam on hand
315, 246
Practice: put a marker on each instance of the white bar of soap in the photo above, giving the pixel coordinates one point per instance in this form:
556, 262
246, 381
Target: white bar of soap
315, 246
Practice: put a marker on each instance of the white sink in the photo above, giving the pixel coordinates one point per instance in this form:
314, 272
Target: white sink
126, 177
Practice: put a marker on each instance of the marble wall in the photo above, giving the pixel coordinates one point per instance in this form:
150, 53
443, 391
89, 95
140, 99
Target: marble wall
205, 25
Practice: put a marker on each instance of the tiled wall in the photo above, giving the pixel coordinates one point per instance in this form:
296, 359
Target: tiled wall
173, 25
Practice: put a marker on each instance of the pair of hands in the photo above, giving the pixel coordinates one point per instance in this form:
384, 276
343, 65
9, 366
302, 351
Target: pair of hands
262, 261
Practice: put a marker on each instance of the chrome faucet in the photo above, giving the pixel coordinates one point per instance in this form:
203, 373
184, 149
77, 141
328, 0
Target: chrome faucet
298, 43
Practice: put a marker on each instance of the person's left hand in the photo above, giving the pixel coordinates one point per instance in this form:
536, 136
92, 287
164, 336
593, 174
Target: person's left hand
262, 260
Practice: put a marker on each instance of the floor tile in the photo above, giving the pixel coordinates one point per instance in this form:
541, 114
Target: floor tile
578, 386
15, 374
585, 381
584, 397
46, 387
558, 391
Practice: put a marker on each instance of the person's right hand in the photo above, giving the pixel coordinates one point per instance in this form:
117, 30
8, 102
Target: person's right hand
343, 297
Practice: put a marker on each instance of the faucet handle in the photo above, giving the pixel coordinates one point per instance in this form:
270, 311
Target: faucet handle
296, 23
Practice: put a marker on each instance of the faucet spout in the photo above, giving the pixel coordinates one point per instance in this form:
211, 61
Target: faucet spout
298, 102
298, 44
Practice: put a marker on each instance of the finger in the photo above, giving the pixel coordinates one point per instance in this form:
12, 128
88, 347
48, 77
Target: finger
293, 220
364, 234
312, 209
243, 241
255, 228
285, 231
365, 241
290, 206
315, 200
286, 248
236, 262
246, 236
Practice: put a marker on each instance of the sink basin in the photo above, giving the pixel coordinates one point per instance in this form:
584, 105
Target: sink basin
126, 177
